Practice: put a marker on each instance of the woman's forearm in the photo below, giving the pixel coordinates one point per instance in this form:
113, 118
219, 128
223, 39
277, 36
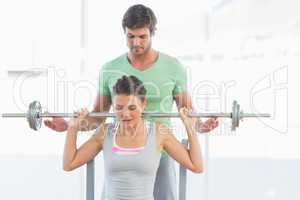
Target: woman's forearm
70, 148
195, 150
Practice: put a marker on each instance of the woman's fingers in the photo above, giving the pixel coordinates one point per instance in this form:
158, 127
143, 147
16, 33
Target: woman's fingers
183, 112
82, 113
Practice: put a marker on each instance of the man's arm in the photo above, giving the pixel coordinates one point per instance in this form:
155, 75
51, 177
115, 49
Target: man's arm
102, 104
183, 99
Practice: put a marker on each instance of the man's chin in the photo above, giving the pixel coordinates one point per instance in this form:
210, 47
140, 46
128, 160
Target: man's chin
137, 52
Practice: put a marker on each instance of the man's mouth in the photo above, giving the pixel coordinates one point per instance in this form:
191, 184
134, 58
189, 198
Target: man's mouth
137, 48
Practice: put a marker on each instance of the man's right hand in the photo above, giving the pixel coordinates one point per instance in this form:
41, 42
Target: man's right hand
102, 104
58, 124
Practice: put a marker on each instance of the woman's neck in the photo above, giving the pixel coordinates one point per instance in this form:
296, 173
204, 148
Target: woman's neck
132, 131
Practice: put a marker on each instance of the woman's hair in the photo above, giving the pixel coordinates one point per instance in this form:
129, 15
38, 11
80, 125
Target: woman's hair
130, 85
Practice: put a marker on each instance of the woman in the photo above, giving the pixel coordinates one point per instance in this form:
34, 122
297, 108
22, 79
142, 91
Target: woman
131, 146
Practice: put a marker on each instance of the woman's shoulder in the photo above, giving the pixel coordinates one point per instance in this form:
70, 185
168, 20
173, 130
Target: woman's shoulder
163, 134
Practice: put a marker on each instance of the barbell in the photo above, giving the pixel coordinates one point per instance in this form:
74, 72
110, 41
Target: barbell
34, 115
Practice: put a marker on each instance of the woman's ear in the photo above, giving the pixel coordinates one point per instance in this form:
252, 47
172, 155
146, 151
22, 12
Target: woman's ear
145, 102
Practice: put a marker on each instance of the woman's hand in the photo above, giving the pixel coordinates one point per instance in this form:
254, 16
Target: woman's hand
189, 122
81, 121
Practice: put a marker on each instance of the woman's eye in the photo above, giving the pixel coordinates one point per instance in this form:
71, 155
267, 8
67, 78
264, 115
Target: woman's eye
132, 107
119, 108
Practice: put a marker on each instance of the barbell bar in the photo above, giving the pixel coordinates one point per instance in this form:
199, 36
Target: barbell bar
34, 115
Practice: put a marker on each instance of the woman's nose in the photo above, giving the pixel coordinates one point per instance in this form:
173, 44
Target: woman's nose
126, 113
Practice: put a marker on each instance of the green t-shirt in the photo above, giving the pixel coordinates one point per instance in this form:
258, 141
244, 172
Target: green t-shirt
163, 80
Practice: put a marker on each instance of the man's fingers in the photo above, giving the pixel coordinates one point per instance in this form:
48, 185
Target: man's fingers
49, 124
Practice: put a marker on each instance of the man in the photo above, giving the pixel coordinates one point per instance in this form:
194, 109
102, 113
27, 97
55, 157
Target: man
164, 78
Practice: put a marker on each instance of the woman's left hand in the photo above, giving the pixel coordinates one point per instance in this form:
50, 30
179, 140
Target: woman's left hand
189, 122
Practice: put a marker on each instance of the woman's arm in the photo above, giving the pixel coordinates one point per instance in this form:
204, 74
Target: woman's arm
73, 157
183, 99
189, 158
101, 104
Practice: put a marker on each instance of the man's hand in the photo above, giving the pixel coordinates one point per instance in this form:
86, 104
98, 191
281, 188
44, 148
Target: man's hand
207, 126
58, 124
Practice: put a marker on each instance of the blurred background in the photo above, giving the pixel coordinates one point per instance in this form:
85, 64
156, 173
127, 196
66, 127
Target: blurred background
249, 50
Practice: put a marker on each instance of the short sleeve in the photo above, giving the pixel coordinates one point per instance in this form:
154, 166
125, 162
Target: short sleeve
103, 87
180, 77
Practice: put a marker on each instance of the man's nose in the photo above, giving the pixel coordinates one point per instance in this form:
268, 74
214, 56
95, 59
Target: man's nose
136, 41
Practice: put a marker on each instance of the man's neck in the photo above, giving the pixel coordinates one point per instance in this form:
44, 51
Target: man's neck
144, 61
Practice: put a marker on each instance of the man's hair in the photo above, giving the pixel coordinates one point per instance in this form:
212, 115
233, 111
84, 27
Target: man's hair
139, 16
130, 85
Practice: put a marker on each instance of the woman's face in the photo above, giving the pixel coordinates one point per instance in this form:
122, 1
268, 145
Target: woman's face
128, 109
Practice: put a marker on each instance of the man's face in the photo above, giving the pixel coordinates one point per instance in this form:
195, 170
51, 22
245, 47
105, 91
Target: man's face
138, 40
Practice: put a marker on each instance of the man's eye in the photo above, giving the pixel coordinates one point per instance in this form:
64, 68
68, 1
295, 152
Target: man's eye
130, 36
143, 37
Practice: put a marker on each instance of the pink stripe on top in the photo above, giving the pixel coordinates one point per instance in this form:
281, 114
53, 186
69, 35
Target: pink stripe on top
121, 150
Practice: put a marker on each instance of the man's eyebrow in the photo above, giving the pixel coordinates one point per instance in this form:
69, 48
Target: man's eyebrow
142, 35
